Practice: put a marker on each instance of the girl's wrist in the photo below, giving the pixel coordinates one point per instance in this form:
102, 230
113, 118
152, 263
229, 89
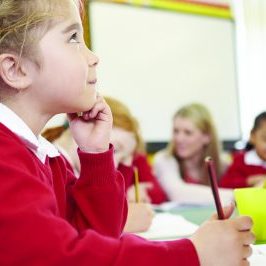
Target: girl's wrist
94, 149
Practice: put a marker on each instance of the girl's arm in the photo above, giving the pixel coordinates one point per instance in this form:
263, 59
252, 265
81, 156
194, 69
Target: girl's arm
167, 171
97, 199
35, 232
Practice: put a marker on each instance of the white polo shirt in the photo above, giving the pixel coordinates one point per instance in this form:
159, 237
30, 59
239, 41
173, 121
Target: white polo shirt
38, 145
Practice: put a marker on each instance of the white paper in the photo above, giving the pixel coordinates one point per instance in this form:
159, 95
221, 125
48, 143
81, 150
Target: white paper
169, 226
258, 257
175, 206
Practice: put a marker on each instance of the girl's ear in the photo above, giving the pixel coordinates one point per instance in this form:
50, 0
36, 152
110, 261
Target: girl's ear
14, 72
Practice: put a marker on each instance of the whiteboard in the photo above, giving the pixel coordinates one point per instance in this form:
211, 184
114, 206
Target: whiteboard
156, 61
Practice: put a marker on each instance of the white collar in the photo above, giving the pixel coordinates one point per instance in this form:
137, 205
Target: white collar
39, 145
252, 158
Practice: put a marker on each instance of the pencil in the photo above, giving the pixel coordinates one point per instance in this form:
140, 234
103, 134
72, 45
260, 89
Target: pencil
214, 187
136, 184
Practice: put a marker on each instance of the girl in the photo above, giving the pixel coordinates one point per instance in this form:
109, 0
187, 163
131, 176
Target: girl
130, 151
180, 168
47, 216
249, 168
140, 214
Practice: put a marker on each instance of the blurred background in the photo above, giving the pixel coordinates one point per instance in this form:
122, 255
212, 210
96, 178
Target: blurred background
157, 55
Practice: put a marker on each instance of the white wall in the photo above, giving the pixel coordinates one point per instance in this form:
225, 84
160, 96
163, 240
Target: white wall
156, 61
251, 49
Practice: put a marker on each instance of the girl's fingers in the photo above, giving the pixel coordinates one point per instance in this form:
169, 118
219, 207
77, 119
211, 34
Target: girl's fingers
98, 110
246, 251
228, 210
243, 223
146, 185
245, 262
248, 238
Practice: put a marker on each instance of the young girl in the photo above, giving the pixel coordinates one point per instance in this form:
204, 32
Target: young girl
130, 153
249, 168
180, 168
47, 216
140, 214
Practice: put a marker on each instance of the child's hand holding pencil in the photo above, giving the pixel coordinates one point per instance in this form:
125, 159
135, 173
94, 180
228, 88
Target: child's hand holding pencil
139, 191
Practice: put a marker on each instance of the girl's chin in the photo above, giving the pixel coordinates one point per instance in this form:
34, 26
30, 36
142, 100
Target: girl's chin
181, 153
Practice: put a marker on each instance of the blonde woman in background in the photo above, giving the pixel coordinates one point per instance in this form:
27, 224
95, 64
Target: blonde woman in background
180, 167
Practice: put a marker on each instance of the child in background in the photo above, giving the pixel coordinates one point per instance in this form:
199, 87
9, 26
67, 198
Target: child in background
48, 217
140, 214
62, 138
180, 167
130, 153
249, 168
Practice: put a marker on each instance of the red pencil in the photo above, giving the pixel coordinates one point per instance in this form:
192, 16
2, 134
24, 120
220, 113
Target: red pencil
214, 187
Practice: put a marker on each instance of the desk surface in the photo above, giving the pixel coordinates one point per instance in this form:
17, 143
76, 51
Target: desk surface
200, 214
195, 215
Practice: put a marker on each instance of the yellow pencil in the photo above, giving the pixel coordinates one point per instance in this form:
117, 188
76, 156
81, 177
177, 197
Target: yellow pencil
136, 183
264, 184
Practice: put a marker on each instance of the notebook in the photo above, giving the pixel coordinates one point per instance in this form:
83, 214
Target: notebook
167, 226
258, 257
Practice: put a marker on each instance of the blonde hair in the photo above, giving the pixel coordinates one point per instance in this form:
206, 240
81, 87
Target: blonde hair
200, 116
24, 22
123, 118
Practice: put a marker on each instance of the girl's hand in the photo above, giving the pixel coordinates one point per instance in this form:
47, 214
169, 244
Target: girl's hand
224, 242
143, 192
139, 217
121, 157
92, 130
256, 180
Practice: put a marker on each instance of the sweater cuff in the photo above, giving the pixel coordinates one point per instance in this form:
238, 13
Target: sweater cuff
128, 173
185, 246
97, 168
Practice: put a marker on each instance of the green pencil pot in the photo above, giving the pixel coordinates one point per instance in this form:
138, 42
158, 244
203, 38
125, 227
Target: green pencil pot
252, 202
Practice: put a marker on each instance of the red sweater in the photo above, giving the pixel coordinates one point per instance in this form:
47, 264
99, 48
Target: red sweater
48, 218
237, 174
140, 161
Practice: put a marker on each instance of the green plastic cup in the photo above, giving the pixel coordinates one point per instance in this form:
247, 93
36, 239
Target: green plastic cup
252, 202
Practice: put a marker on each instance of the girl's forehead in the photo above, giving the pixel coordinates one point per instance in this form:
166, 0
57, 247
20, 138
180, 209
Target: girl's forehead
68, 15
63, 8
262, 126
185, 121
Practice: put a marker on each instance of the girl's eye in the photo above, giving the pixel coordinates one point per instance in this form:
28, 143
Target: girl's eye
188, 132
74, 38
176, 131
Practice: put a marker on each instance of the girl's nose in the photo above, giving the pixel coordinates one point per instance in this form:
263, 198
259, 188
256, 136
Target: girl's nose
93, 60
179, 138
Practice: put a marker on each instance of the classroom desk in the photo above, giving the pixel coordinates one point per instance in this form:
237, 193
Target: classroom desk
200, 214
178, 221
195, 215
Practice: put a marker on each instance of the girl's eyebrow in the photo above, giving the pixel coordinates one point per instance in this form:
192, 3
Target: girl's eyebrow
74, 26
